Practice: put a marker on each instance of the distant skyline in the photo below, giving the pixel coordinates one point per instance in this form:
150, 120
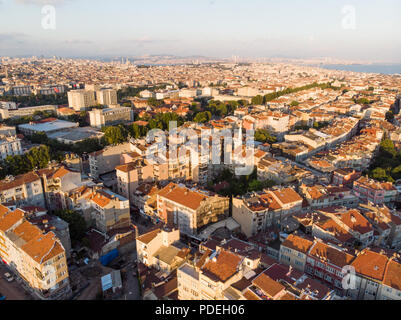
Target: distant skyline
212, 28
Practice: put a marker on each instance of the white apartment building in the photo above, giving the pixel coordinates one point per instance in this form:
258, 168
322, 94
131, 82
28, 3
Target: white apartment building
21, 90
106, 97
39, 258
28, 111
110, 116
81, 99
24, 190
9, 105
106, 160
9, 146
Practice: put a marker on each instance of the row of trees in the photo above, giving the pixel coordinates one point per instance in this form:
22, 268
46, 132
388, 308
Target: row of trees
259, 100
36, 158
239, 185
213, 108
119, 134
38, 99
264, 136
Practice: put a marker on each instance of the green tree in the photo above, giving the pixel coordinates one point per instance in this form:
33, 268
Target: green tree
258, 100
77, 224
387, 148
390, 116
255, 185
379, 174
264, 136
114, 135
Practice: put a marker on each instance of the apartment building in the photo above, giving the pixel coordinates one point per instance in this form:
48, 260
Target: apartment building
161, 250
294, 250
326, 262
377, 275
57, 182
50, 89
190, 209
106, 97
386, 222
21, 90
319, 196
369, 190
345, 177
80, 100
100, 207
48, 223
110, 116
280, 172
23, 190
106, 160
131, 175
353, 222
210, 277
23, 112
10, 146
257, 212
8, 131
37, 257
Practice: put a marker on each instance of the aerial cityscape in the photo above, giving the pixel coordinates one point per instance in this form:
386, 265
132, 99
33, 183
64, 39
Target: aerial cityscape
161, 170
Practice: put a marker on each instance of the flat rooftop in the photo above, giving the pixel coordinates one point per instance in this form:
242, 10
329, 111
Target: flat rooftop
50, 126
76, 134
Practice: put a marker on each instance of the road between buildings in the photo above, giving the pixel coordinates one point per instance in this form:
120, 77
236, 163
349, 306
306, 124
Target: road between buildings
12, 290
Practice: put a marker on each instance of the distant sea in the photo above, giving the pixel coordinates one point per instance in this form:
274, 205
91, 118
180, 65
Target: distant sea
368, 68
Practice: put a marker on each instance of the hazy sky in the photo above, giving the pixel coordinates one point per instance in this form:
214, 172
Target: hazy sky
216, 28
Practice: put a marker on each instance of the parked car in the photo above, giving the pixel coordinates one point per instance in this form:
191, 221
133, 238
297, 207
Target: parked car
8, 277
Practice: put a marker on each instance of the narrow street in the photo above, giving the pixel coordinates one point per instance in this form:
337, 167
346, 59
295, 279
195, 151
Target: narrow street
12, 290
130, 285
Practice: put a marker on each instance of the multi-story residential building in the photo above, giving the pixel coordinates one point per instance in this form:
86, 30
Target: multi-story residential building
326, 261
106, 160
81, 99
190, 209
353, 222
345, 177
319, 196
9, 146
8, 131
28, 111
131, 175
106, 97
110, 116
386, 222
8, 105
21, 90
257, 212
39, 258
101, 207
50, 89
280, 172
57, 182
210, 277
293, 251
145, 199
52, 223
377, 276
161, 249
369, 190
23, 190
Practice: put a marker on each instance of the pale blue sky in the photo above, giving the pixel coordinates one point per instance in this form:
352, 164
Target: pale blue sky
216, 28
